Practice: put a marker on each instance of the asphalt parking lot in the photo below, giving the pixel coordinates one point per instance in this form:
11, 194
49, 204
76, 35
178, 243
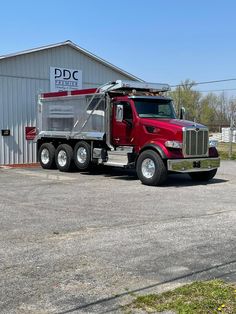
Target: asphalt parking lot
82, 243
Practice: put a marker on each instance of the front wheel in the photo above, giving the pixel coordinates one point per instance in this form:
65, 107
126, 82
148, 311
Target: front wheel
203, 175
150, 168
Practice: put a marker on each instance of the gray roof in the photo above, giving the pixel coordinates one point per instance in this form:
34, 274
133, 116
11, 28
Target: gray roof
78, 48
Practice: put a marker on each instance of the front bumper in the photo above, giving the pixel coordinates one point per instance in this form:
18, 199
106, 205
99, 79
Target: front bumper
193, 165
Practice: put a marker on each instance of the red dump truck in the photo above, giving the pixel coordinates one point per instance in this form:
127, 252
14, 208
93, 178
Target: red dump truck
126, 124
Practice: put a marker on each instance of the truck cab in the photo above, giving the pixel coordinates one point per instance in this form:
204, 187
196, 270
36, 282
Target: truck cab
138, 120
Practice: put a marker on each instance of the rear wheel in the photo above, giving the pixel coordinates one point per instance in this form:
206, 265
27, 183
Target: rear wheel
82, 155
64, 157
46, 156
203, 175
150, 168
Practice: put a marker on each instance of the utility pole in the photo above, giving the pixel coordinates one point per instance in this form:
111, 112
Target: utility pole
221, 109
179, 105
231, 136
231, 129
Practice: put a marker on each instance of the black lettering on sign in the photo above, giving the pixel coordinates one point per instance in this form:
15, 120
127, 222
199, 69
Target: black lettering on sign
74, 75
57, 73
66, 74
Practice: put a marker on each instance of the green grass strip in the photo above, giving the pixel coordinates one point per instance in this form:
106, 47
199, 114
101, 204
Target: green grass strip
211, 297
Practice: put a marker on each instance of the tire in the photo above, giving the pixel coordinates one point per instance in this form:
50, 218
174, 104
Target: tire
82, 155
203, 175
64, 157
46, 156
150, 168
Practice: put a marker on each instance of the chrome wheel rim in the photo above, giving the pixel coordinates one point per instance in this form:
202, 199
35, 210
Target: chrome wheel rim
148, 168
45, 156
81, 155
62, 158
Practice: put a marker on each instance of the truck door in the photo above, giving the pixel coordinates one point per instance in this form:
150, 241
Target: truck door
122, 129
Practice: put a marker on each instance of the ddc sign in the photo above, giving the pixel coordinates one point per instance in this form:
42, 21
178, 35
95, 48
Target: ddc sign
62, 79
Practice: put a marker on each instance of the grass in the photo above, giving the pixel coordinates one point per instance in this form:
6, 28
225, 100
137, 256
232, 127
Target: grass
223, 149
211, 297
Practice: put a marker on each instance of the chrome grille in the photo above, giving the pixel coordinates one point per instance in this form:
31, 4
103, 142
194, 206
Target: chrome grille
195, 142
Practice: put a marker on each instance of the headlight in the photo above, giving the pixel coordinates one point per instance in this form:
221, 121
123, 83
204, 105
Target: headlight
173, 144
213, 142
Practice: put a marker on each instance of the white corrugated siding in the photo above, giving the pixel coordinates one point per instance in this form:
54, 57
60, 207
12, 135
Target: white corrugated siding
18, 110
22, 78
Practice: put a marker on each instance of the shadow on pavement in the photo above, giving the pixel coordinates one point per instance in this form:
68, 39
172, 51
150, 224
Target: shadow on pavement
130, 292
174, 180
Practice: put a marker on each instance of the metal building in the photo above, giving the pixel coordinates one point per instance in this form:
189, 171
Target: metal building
25, 74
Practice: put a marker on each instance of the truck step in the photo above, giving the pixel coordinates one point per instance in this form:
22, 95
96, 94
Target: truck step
117, 157
114, 164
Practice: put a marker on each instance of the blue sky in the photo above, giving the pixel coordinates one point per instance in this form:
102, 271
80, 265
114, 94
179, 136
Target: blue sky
158, 41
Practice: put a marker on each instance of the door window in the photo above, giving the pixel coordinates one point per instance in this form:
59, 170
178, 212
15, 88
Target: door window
127, 111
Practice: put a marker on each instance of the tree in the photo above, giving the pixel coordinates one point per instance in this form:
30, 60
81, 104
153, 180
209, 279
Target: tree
211, 110
220, 105
207, 113
185, 96
232, 110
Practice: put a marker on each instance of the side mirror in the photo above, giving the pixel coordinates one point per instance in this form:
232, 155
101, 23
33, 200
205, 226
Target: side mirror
119, 113
182, 113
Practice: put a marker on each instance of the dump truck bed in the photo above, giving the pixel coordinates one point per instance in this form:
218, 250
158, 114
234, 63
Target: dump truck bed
72, 116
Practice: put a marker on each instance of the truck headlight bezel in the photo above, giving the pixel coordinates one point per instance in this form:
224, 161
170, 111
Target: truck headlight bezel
174, 144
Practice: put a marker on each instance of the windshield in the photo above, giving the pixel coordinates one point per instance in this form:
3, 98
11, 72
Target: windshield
154, 108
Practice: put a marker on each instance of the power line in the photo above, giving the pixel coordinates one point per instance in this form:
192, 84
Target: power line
207, 82
216, 90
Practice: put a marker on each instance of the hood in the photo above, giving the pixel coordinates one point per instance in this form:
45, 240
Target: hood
169, 128
170, 123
